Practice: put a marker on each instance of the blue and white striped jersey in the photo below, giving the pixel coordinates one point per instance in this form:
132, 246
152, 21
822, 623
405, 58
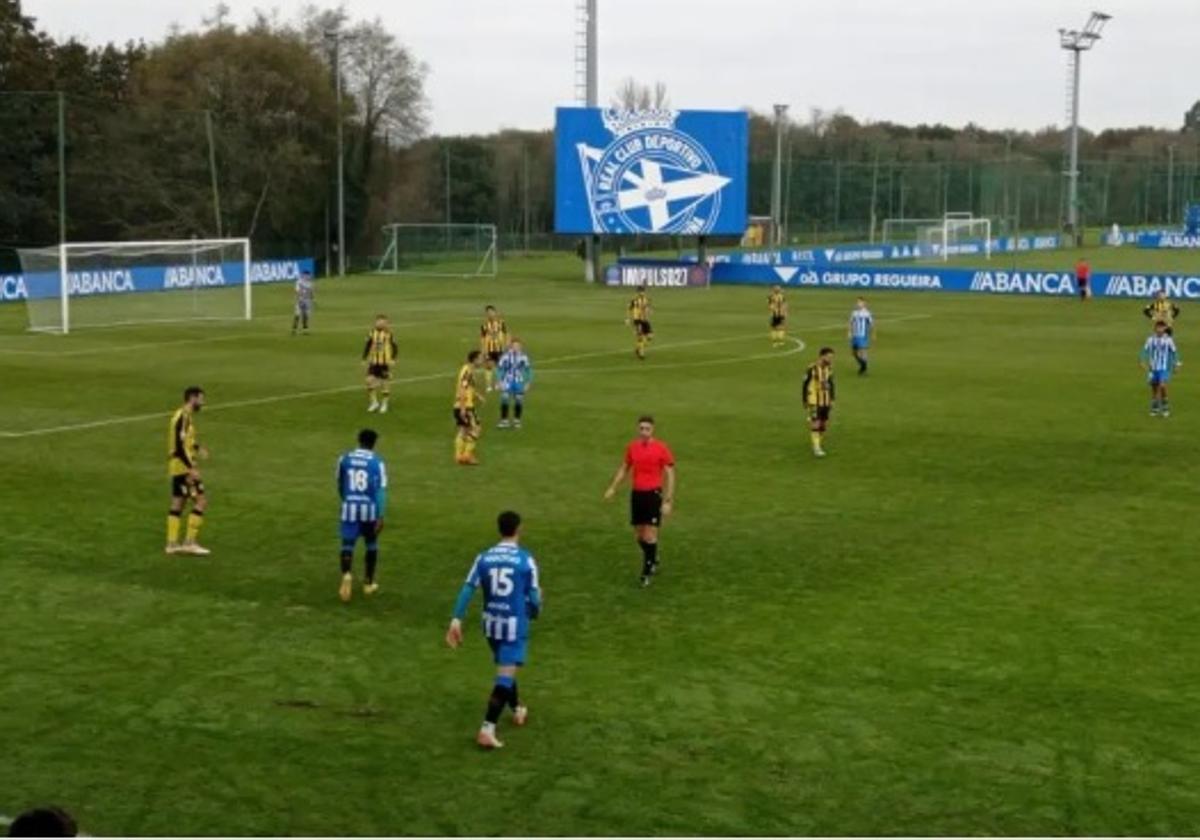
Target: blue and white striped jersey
362, 486
1160, 353
304, 290
514, 370
860, 323
508, 576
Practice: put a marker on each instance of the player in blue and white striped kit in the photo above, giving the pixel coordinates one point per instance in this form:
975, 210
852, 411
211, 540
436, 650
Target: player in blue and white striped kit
1159, 357
862, 327
515, 373
362, 485
304, 302
512, 597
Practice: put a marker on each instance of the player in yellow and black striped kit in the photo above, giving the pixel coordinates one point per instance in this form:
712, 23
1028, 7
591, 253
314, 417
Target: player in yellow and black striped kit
466, 421
1162, 310
818, 397
379, 354
638, 314
493, 341
777, 308
183, 451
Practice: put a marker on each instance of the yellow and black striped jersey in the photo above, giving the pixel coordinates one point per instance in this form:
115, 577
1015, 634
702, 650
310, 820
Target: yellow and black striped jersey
818, 385
639, 307
380, 348
493, 335
1162, 309
777, 304
181, 442
464, 388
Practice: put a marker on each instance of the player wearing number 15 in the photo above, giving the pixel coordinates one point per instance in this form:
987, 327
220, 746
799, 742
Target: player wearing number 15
183, 452
512, 597
362, 486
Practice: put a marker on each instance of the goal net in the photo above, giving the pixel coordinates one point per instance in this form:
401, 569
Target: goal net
97, 284
439, 250
958, 235
905, 231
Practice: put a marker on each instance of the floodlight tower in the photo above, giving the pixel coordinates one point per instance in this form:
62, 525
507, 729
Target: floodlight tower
337, 37
777, 179
1077, 41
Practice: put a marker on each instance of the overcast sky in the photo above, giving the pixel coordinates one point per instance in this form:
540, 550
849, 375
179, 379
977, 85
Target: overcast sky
508, 63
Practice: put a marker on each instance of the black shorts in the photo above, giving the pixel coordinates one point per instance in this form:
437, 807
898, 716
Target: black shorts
465, 418
493, 356
777, 321
645, 507
820, 413
642, 327
185, 487
380, 371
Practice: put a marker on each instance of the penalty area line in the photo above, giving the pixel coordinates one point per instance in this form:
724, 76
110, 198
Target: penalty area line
732, 360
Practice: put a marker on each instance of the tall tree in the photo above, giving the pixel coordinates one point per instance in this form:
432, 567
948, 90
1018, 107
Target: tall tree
632, 95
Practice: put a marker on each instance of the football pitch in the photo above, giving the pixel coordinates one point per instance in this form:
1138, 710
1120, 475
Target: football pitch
977, 615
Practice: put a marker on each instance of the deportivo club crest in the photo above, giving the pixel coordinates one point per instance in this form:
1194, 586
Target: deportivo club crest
652, 178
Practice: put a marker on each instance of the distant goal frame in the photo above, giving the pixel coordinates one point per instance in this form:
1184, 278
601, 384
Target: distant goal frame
61, 251
486, 257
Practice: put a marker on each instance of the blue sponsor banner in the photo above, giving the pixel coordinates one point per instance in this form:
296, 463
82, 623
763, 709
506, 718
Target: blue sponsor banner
1011, 282
1168, 239
39, 285
650, 172
898, 251
662, 274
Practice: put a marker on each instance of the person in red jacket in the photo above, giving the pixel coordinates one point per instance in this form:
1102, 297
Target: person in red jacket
648, 461
1083, 278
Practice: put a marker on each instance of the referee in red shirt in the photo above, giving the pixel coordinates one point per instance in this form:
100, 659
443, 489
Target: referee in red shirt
1083, 277
648, 461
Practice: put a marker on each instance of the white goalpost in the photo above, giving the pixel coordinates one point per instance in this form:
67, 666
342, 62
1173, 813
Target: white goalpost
439, 250
946, 238
96, 284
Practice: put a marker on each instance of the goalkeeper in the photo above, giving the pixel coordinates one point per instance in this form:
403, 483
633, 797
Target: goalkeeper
515, 373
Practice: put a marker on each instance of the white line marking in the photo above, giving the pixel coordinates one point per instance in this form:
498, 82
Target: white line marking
776, 354
323, 392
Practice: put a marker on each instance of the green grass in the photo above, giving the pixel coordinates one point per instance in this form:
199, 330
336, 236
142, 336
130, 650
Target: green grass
976, 616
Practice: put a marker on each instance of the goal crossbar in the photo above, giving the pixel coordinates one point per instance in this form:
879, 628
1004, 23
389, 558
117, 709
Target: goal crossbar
54, 265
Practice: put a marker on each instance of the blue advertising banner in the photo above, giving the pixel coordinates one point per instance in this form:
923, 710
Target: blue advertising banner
958, 280
663, 274
39, 285
653, 172
1168, 239
897, 251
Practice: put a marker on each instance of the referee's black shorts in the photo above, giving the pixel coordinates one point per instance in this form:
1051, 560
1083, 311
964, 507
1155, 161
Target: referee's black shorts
645, 507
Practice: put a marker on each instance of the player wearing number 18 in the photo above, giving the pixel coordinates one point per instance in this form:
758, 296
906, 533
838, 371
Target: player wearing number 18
508, 575
362, 486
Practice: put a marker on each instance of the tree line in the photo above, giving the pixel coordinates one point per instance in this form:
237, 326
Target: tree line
226, 130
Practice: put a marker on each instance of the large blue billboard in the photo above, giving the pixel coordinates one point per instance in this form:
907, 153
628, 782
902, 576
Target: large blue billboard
657, 172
